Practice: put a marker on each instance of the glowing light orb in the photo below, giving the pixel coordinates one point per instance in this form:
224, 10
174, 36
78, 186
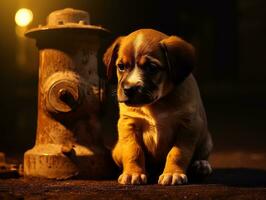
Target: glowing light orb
23, 17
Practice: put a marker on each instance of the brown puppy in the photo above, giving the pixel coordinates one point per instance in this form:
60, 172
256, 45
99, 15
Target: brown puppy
162, 119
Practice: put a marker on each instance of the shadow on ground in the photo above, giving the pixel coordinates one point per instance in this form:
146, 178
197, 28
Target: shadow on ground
238, 177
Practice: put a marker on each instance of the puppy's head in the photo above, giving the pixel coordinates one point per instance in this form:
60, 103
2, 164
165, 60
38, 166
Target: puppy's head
148, 65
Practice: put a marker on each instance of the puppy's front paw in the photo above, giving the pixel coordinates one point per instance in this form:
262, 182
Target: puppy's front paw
132, 178
172, 179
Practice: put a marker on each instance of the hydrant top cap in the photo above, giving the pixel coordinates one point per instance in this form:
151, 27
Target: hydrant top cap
70, 19
68, 15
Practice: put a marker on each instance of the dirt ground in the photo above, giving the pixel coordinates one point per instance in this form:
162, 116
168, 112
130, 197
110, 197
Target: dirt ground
236, 175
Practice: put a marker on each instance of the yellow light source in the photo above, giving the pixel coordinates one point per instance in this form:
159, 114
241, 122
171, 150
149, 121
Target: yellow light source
23, 17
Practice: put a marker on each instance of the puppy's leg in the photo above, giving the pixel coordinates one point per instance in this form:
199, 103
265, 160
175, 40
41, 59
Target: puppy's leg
129, 154
200, 167
177, 162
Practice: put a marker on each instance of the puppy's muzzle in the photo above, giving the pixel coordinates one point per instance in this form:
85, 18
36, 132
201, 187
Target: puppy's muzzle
135, 95
131, 91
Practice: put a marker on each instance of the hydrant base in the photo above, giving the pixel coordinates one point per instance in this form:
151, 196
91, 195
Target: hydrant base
48, 161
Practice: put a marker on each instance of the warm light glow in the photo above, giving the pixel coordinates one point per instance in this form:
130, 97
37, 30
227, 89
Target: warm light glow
23, 17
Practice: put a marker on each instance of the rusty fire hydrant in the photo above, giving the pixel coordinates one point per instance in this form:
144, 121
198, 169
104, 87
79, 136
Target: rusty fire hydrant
69, 97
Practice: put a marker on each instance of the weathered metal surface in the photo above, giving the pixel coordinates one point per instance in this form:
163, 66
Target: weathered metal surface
68, 129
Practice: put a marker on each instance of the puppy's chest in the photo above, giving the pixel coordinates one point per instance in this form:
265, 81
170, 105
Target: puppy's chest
156, 136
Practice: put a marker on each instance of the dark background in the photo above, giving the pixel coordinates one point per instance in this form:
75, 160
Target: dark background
229, 36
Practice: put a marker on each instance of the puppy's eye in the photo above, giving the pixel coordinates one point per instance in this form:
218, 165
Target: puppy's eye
151, 68
121, 67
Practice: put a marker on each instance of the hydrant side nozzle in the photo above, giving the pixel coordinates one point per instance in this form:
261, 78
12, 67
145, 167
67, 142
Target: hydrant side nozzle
63, 92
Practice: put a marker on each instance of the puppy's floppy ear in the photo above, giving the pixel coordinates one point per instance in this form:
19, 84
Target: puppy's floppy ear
110, 57
180, 56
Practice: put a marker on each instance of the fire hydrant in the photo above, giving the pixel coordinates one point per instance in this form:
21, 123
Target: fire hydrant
69, 98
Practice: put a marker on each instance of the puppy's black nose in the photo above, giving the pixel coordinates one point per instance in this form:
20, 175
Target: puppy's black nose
130, 91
